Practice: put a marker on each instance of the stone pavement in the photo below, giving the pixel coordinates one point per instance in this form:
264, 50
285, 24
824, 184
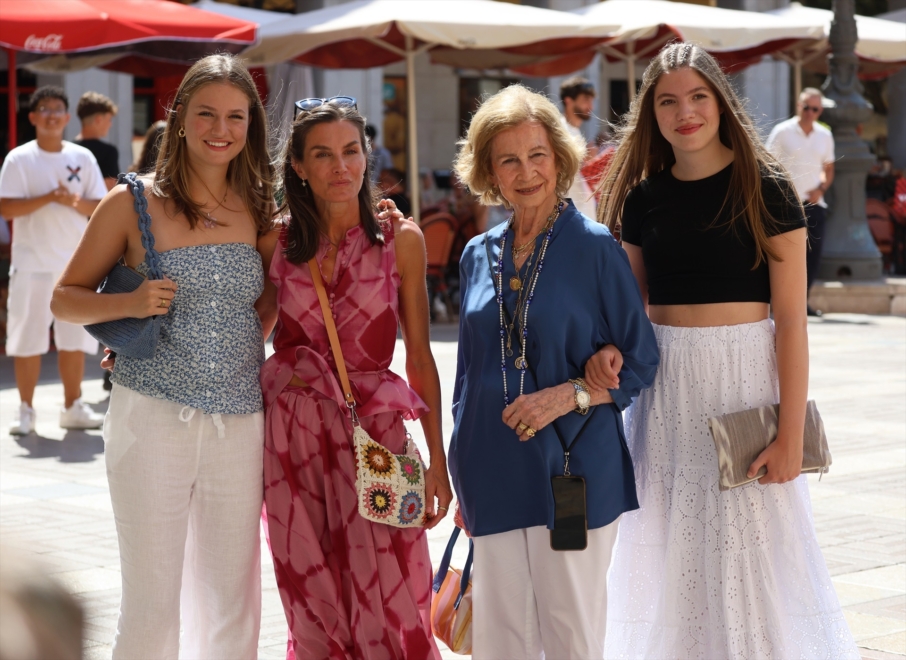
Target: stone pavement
54, 501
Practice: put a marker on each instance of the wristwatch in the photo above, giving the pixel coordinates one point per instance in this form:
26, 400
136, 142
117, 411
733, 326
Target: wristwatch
583, 398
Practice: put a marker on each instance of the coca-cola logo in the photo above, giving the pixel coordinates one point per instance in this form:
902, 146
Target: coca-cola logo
52, 42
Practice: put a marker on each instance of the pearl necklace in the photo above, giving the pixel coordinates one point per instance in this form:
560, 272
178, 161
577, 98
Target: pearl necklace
521, 362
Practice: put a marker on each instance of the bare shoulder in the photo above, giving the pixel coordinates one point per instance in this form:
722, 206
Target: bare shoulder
117, 207
408, 235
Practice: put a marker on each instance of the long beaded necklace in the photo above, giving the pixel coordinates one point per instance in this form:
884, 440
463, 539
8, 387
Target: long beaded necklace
521, 362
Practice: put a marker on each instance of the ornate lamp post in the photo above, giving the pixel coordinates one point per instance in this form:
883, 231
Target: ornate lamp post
849, 250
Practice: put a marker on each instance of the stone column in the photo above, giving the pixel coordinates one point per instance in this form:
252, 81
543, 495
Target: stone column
849, 250
896, 107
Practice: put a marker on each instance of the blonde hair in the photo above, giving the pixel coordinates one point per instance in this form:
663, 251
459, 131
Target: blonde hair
250, 174
507, 109
643, 151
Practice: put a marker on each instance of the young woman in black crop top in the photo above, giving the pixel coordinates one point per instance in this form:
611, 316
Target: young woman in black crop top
716, 239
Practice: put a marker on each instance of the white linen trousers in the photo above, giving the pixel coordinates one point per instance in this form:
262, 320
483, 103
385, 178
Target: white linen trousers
529, 601
187, 489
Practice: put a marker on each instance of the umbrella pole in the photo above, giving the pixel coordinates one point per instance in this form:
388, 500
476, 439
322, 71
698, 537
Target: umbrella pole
13, 96
414, 184
797, 77
630, 76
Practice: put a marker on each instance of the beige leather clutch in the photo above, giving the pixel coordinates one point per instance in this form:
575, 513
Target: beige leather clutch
741, 436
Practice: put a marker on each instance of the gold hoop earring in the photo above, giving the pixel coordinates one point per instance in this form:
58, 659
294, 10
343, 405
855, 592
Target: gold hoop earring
181, 132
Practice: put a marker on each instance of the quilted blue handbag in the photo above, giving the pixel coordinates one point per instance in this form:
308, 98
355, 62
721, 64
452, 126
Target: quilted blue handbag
133, 337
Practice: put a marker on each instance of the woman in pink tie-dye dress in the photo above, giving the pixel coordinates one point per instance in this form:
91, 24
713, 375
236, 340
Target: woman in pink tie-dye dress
352, 589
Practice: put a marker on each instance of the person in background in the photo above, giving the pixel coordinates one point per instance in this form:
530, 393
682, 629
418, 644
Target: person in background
540, 295
96, 112
147, 159
806, 149
184, 433
716, 238
50, 187
578, 97
393, 186
381, 158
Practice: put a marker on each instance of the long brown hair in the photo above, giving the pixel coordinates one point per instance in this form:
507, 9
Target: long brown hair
250, 174
305, 225
643, 151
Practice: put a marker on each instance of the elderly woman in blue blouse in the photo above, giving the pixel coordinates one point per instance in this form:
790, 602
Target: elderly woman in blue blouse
541, 294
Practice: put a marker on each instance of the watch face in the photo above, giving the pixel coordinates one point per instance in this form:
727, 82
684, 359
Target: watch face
583, 398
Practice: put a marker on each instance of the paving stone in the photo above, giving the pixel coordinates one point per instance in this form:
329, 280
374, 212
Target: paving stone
54, 500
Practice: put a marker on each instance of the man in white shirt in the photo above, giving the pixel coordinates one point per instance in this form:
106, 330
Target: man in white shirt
806, 149
578, 97
50, 187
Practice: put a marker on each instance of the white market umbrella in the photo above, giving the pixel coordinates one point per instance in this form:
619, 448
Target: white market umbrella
732, 36
469, 33
881, 44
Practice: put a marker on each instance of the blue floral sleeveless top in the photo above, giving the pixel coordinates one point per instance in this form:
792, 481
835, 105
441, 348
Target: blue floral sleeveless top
210, 348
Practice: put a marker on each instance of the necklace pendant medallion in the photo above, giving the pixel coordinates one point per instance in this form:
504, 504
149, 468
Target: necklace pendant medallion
521, 362
509, 352
515, 283
209, 221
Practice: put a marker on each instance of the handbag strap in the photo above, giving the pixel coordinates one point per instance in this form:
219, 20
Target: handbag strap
444, 568
152, 258
332, 335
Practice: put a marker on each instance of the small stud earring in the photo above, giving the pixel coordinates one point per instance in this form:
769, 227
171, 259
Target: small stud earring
304, 183
181, 132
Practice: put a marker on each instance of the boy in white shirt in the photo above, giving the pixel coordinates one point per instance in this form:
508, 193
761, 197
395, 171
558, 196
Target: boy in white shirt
50, 187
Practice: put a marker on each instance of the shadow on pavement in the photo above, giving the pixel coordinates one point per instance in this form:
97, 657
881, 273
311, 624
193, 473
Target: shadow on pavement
75, 447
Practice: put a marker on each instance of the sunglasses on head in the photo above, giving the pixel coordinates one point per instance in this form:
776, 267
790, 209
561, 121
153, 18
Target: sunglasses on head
307, 105
811, 108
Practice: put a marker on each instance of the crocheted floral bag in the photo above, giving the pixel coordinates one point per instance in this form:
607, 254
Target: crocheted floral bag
390, 487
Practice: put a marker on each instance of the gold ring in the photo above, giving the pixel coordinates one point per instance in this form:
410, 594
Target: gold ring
522, 426
441, 508
163, 302
530, 432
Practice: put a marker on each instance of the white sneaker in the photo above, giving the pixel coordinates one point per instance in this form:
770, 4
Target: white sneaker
24, 422
80, 416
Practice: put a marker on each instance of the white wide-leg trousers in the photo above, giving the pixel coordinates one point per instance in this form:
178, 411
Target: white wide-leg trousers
531, 602
187, 489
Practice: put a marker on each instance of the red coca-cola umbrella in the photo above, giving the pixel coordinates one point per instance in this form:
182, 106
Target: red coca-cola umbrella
31, 30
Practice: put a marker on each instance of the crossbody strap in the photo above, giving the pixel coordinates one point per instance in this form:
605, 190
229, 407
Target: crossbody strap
137, 187
332, 334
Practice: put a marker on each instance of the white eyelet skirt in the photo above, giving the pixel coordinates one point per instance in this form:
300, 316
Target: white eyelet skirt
699, 573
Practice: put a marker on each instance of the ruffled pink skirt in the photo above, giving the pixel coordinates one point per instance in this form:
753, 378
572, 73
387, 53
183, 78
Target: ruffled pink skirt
351, 589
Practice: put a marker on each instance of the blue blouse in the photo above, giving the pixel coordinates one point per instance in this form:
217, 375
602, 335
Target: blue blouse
586, 297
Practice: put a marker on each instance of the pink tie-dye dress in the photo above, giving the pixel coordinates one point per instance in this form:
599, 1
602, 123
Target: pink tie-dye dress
351, 588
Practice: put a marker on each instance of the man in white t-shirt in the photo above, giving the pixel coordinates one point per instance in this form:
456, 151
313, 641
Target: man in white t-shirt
50, 187
806, 149
578, 97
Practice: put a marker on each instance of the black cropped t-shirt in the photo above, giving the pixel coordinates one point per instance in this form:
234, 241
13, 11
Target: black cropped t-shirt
691, 255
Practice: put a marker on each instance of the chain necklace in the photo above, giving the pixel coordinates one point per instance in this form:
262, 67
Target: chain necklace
209, 221
520, 300
522, 334
516, 281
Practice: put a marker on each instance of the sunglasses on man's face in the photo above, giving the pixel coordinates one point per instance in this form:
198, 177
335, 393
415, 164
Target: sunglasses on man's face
307, 105
811, 108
